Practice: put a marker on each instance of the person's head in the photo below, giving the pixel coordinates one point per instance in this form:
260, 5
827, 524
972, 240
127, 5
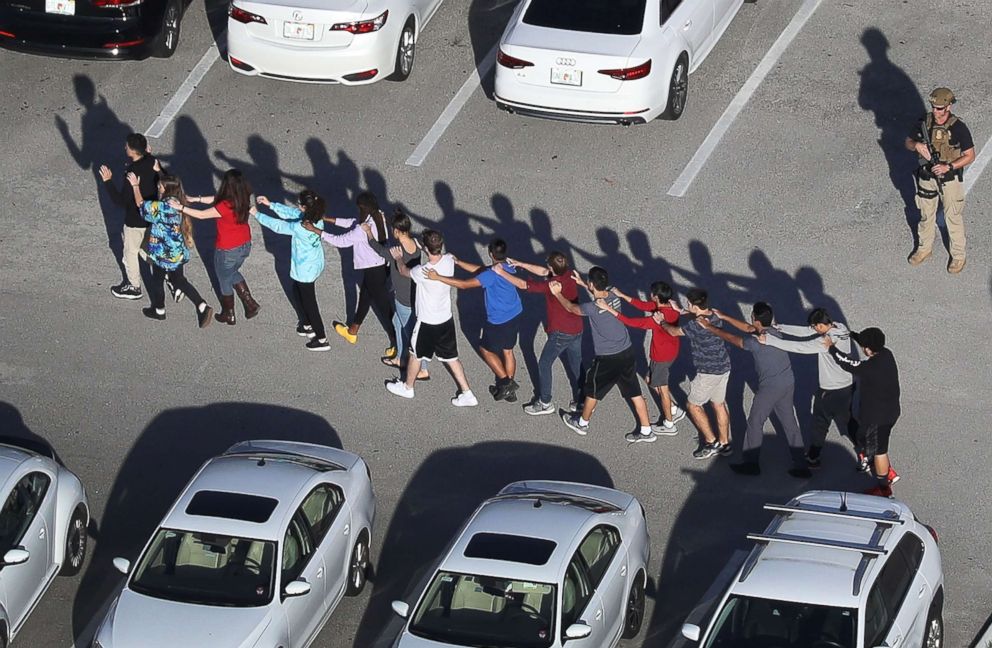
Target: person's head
558, 264
819, 320
661, 292
402, 226
497, 250
698, 300
940, 101
367, 203
433, 242
313, 206
762, 315
135, 145
170, 186
599, 281
235, 190
872, 340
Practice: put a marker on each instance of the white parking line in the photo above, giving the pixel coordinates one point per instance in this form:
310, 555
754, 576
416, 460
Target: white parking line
451, 111
741, 98
976, 168
183, 93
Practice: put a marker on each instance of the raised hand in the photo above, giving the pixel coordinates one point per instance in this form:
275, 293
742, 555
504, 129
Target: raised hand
133, 179
827, 341
310, 227
175, 204
263, 200
367, 228
431, 273
555, 287
105, 173
396, 252
762, 338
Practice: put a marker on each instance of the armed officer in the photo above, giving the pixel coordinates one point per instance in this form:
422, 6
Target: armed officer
945, 147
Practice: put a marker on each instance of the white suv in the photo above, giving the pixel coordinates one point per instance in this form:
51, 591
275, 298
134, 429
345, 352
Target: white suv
833, 570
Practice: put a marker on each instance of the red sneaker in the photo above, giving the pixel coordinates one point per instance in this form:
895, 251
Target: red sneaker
879, 491
893, 475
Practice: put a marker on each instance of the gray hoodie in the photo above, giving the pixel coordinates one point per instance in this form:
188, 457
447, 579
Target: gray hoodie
831, 375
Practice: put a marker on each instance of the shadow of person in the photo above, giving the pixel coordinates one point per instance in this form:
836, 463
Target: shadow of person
811, 285
13, 431
157, 467
103, 135
486, 21
888, 92
447, 487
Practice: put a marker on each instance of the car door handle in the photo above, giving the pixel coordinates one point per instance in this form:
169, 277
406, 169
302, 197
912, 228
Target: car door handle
923, 590
41, 534
623, 570
599, 615
320, 572
896, 641
347, 529
687, 25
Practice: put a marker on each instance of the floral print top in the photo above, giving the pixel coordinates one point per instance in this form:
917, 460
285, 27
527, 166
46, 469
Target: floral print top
166, 247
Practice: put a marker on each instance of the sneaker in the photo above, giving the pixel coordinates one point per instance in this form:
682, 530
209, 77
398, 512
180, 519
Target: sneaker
724, 449
706, 450
955, 266
342, 330
399, 388
537, 408
864, 464
749, 468
154, 314
638, 437
205, 316
501, 389
813, 460
305, 330
677, 413
893, 476
511, 394
879, 491
575, 405
465, 399
574, 422
126, 291
664, 428
800, 472
318, 344
918, 257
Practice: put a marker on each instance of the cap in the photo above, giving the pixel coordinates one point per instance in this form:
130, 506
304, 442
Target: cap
871, 338
941, 97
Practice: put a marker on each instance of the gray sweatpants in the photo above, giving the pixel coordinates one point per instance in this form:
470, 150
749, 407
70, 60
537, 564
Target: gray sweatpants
775, 400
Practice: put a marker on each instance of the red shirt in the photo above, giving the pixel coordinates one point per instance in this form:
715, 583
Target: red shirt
559, 319
230, 233
664, 347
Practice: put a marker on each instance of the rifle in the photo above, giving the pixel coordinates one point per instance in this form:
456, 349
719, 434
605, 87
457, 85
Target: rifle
934, 159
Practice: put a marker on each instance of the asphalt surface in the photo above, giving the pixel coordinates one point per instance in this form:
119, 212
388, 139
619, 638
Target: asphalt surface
803, 203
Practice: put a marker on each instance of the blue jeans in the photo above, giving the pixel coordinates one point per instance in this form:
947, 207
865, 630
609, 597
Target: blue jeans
226, 265
559, 343
403, 322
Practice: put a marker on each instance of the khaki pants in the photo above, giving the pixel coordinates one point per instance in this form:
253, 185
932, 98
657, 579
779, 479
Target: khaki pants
953, 214
133, 238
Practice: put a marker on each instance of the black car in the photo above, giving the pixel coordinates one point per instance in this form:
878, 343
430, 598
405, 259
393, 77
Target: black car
112, 29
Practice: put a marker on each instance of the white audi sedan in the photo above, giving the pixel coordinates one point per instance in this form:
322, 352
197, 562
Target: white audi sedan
256, 552
606, 61
542, 565
326, 41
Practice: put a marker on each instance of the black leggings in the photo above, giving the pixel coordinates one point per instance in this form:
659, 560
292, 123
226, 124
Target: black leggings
309, 312
374, 289
176, 277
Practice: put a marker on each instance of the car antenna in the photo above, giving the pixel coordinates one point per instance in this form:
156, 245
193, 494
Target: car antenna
843, 502
261, 461
537, 503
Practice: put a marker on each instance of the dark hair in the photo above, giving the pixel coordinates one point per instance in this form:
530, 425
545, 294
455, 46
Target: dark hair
599, 278
313, 206
137, 143
661, 290
497, 248
368, 205
172, 187
763, 313
697, 297
433, 241
819, 316
235, 190
401, 222
558, 263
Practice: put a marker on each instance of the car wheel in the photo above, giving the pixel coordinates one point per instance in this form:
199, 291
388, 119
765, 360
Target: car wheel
678, 89
935, 630
635, 609
358, 568
406, 51
75, 544
168, 37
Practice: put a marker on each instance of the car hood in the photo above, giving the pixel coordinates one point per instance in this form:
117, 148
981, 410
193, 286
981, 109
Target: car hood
407, 640
145, 622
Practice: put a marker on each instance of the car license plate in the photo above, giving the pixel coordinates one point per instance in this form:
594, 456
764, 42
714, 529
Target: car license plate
566, 76
64, 7
299, 31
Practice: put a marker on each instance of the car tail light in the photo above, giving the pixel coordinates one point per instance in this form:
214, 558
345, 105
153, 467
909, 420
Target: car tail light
361, 76
933, 532
241, 65
631, 73
116, 4
7, 34
511, 62
130, 43
363, 26
242, 16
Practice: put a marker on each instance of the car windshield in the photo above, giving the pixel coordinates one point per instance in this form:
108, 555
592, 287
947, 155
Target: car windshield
598, 16
468, 610
206, 569
746, 622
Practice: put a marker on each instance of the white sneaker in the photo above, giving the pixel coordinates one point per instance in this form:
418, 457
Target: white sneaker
464, 399
399, 388
665, 428
677, 413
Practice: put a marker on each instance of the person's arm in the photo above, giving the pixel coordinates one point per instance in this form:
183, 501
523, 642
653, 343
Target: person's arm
672, 329
277, 225
468, 267
520, 284
339, 222
283, 211
540, 271
796, 330
348, 239
806, 347
201, 199
957, 163
118, 195
845, 361
726, 336
135, 183
733, 321
201, 214
460, 284
566, 303
646, 323
396, 253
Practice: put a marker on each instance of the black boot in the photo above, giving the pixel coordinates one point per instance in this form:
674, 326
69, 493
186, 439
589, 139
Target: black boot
251, 306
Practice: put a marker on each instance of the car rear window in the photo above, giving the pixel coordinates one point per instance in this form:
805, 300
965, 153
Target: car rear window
511, 548
231, 506
598, 16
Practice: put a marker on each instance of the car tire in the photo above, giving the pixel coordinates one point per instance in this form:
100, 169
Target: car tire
358, 566
406, 52
168, 36
75, 544
634, 612
678, 89
934, 633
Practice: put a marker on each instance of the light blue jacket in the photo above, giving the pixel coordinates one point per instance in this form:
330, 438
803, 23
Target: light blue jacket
308, 254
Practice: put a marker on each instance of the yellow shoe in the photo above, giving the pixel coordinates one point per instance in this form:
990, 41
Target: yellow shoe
390, 353
342, 330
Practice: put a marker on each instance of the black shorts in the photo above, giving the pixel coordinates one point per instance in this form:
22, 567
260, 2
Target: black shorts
874, 439
500, 337
435, 340
619, 369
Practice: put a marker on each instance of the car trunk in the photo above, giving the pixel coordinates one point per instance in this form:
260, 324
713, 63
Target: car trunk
304, 23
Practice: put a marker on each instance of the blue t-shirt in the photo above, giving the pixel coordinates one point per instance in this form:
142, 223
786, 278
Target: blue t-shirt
502, 298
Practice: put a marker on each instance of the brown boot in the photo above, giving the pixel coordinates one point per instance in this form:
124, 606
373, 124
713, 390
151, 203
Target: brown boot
226, 314
251, 306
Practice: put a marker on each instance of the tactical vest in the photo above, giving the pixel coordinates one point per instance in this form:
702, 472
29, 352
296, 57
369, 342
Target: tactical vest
940, 135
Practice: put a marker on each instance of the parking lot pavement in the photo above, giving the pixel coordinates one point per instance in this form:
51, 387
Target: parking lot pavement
804, 202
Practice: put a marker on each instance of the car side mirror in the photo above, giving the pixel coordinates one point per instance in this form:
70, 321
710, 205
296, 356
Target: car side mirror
577, 631
401, 608
123, 565
297, 588
16, 557
691, 631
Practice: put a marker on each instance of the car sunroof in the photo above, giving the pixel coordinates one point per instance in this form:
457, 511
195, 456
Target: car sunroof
511, 548
232, 506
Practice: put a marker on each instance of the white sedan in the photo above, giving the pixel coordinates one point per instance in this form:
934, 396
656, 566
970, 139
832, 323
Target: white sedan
326, 41
606, 61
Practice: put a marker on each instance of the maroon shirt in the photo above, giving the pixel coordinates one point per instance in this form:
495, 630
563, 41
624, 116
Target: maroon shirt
559, 320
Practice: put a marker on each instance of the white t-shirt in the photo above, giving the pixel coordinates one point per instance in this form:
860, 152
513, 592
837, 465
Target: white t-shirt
433, 301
